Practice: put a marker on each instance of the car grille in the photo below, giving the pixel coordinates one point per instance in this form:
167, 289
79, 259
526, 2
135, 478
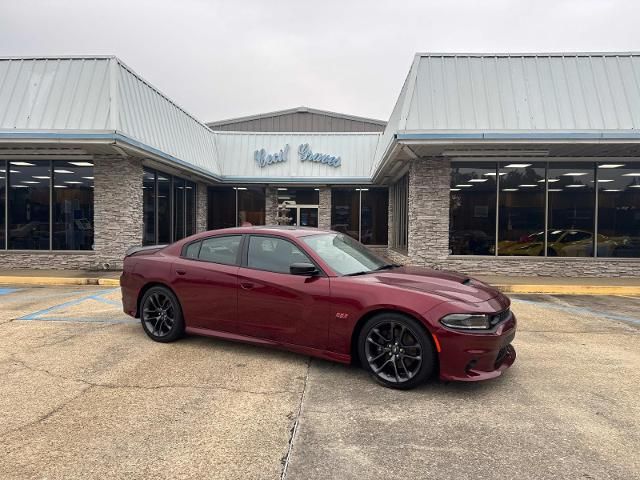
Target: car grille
500, 317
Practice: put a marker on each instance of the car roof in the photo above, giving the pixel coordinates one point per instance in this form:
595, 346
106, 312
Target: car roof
283, 230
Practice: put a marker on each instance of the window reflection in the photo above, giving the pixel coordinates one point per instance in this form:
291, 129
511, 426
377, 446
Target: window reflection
521, 208
178, 208
472, 212
571, 209
235, 206
375, 213
73, 206
345, 211
149, 207
3, 192
619, 209
29, 203
251, 203
164, 208
221, 208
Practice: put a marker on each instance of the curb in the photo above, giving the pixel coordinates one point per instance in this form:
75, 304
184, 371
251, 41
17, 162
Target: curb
571, 289
58, 281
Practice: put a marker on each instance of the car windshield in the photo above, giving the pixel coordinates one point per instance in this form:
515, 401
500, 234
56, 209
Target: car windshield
343, 254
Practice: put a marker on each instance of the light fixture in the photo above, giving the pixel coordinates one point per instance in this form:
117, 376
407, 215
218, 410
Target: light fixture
612, 190
509, 189
62, 171
91, 178
574, 174
20, 186
454, 189
41, 177
464, 185
29, 181
317, 189
282, 189
362, 189
603, 180
634, 186
634, 174
493, 174
527, 186
60, 186
555, 189
23, 164
575, 186
611, 165
478, 180
74, 182
239, 188
518, 165
81, 164
160, 179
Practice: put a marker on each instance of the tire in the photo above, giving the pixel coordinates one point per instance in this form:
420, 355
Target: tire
161, 315
384, 355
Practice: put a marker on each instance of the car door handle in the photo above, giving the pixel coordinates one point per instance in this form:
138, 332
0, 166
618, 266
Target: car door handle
247, 285
181, 272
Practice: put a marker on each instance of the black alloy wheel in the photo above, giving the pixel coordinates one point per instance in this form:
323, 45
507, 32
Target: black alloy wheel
396, 351
161, 315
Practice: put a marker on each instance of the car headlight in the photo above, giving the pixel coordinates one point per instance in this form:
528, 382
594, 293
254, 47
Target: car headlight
466, 321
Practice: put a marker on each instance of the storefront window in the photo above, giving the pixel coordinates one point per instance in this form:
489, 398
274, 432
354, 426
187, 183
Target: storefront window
235, 206
374, 218
190, 208
178, 208
521, 208
345, 211
571, 210
222, 208
251, 203
299, 196
472, 213
361, 213
149, 207
3, 193
29, 203
400, 222
619, 209
169, 210
73, 206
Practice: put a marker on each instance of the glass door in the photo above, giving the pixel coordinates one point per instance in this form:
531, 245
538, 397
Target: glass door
308, 216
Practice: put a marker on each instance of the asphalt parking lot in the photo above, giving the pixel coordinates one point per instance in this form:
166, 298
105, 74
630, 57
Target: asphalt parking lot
85, 394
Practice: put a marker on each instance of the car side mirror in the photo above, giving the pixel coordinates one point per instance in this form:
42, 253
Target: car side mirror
303, 268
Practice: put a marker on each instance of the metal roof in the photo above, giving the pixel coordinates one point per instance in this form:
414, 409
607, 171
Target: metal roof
301, 109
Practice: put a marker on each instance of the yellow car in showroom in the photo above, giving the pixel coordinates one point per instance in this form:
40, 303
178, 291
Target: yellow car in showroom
562, 243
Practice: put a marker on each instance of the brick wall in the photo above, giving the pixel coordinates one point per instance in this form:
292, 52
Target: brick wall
117, 222
201, 208
324, 208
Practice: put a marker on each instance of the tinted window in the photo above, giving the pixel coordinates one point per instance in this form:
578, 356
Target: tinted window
72, 206
149, 207
273, 254
472, 214
251, 203
343, 254
3, 191
374, 215
221, 211
164, 208
345, 211
220, 249
192, 250
28, 196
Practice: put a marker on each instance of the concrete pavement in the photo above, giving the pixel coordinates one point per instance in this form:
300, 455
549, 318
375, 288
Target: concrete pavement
87, 395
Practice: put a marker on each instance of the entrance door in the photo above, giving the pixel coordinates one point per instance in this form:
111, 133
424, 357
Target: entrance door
304, 215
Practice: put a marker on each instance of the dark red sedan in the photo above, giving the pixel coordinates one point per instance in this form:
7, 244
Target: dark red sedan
320, 293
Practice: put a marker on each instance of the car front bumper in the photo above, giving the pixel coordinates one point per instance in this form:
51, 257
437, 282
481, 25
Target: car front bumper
472, 356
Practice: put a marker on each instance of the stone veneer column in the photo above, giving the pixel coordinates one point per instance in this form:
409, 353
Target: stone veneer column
429, 211
117, 209
202, 211
324, 208
271, 206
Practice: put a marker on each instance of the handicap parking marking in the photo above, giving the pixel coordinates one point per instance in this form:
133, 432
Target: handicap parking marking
6, 291
46, 313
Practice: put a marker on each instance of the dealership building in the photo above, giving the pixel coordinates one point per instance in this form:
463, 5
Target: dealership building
517, 164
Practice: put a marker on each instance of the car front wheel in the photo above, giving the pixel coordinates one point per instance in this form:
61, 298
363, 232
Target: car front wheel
396, 351
161, 315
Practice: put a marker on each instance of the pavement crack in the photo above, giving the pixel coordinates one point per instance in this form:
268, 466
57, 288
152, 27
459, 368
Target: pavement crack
294, 429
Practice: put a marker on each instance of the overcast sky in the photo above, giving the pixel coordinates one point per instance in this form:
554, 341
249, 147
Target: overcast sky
221, 59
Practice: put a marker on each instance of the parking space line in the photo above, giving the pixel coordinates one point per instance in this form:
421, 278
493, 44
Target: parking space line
5, 291
96, 296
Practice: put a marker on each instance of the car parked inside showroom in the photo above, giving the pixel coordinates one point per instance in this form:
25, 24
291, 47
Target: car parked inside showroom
323, 294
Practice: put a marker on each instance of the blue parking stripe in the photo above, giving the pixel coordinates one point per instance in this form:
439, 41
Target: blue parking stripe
96, 296
5, 291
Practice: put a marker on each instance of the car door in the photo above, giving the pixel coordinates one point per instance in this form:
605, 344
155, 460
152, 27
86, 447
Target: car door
273, 304
206, 282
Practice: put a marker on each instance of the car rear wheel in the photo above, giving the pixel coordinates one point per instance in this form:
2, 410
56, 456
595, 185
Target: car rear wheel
396, 351
161, 315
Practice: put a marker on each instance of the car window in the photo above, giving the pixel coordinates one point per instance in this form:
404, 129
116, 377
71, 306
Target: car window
575, 236
220, 249
273, 254
192, 250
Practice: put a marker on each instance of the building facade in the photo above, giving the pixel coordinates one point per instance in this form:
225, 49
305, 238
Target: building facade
489, 164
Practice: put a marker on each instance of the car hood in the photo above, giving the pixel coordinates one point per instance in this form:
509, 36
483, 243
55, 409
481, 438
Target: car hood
448, 285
